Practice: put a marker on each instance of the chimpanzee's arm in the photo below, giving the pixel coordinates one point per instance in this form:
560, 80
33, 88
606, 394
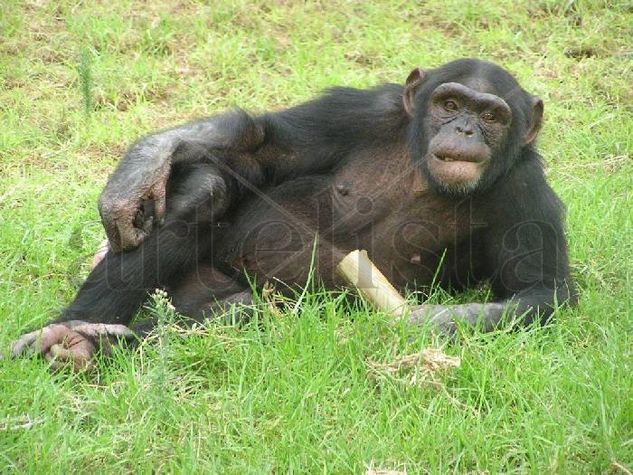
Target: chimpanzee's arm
143, 172
308, 138
526, 255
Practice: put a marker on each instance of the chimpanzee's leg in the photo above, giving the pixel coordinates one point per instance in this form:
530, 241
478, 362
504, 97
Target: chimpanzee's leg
204, 293
119, 284
207, 292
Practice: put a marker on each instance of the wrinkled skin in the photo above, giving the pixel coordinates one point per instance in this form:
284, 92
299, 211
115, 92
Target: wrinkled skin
71, 344
143, 175
121, 214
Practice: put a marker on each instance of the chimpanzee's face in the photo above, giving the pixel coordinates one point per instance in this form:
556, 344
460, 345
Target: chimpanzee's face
466, 129
469, 122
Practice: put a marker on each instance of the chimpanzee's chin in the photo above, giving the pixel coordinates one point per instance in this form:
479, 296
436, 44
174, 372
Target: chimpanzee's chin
449, 179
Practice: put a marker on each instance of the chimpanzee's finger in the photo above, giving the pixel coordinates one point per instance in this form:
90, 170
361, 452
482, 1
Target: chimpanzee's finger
159, 195
130, 236
23, 343
38, 341
112, 232
77, 356
51, 335
103, 329
148, 225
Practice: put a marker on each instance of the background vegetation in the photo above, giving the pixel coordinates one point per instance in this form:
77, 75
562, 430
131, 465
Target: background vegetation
79, 81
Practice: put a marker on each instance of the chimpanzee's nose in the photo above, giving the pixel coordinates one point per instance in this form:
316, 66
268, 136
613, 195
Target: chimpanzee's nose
465, 129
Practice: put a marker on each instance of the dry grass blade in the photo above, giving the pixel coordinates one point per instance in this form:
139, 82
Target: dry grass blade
373, 470
20, 422
380, 471
617, 467
270, 299
417, 368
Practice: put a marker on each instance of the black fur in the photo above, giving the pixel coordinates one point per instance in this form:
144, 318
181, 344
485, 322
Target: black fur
278, 179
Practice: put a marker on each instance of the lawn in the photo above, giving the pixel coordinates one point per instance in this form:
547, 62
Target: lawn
80, 81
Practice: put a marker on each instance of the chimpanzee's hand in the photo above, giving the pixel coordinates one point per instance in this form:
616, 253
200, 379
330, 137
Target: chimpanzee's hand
124, 202
440, 317
72, 343
445, 318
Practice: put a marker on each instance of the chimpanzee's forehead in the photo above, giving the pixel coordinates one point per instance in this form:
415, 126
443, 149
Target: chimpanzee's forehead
504, 87
478, 75
479, 84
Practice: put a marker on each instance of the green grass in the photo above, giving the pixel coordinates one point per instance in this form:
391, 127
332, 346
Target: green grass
80, 81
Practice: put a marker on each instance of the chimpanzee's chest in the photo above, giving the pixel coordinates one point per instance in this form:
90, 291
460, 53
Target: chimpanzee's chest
407, 229
381, 205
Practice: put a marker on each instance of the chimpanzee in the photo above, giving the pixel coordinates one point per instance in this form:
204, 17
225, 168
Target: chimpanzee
439, 180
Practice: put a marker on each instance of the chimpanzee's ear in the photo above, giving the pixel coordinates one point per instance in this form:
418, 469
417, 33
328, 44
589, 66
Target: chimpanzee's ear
415, 79
535, 121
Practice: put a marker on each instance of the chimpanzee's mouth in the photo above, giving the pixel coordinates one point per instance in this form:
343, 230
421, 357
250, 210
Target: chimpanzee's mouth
447, 158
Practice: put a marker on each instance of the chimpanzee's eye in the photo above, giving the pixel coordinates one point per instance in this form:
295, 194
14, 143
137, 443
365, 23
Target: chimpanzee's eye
450, 106
488, 117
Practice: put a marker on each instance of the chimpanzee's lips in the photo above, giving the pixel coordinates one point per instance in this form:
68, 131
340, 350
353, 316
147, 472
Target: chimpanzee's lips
448, 158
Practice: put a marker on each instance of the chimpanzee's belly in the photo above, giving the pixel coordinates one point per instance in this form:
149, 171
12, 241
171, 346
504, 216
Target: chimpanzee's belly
313, 222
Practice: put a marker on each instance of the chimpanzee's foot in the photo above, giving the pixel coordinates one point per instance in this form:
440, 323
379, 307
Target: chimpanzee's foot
72, 343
